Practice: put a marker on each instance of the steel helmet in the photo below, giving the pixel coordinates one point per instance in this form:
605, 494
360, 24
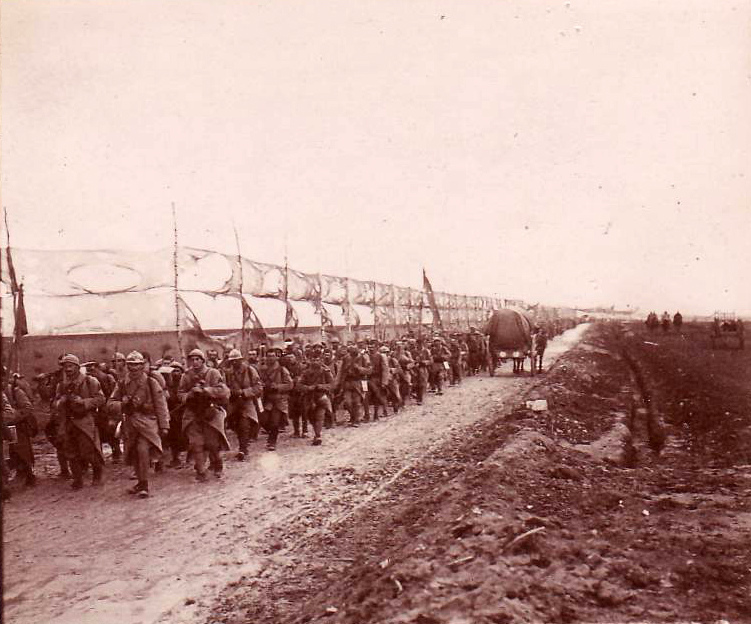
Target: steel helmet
234, 355
134, 357
197, 353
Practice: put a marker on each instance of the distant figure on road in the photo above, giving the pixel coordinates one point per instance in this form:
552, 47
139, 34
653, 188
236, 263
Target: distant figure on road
540, 344
677, 321
665, 321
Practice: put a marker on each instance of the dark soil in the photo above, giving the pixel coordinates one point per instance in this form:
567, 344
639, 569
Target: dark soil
527, 516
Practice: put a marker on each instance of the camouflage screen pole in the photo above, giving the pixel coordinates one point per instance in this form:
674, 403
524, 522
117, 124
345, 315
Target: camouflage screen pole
175, 273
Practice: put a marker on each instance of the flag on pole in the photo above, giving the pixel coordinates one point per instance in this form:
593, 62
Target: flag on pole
252, 325
431, 299
291, 321
21, 325
190, 326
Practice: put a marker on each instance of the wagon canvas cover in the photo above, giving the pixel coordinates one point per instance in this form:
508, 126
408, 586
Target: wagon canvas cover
509, 329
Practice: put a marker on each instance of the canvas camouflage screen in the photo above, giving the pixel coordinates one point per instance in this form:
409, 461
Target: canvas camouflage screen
110, 291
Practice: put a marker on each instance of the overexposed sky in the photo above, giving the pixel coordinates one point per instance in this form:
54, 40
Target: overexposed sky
580, 153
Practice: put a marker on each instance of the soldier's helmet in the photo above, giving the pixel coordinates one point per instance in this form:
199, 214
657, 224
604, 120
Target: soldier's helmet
134, 357
234, 355
197, 353
69, 358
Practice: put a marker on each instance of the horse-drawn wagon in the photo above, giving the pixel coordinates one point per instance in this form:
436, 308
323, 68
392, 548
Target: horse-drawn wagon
511, 336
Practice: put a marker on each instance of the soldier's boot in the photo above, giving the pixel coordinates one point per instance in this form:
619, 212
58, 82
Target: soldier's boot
296, 426
140, 489
242, 451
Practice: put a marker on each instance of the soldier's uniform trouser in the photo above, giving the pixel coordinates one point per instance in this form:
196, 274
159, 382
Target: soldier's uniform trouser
81, 452
176, 438
55, 434
353, 403
437, 376
203, 441
379, 400
298, 414
456, 372
394, 395
405, 389
422, 382
62, 460
247, 430
22, 454
271, 420
141, 457
316, 414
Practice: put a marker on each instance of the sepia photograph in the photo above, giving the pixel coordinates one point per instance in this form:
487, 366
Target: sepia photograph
375, 311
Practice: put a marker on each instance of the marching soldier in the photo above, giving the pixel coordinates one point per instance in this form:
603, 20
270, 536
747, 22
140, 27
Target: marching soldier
143, 406
406, 371
245, 388
54, 430
277, 384
440, 354
424, 360
22, 416
175, 437
103, 422
352, 379
395, 374
119, 369
296, 403
378, 380
253, 359
203, 392
455, 362
316, 384
77, 399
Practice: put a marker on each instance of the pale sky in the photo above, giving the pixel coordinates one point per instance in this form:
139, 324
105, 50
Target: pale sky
570, 153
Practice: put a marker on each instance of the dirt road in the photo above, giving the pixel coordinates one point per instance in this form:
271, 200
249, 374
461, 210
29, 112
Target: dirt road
98, 555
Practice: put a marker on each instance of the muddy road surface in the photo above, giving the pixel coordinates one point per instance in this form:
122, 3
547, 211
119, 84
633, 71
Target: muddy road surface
100, 555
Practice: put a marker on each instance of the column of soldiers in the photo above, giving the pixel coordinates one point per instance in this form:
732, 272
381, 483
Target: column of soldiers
141, 411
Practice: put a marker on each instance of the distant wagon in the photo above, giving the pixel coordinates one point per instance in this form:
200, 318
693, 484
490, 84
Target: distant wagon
727, 331
510, 336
